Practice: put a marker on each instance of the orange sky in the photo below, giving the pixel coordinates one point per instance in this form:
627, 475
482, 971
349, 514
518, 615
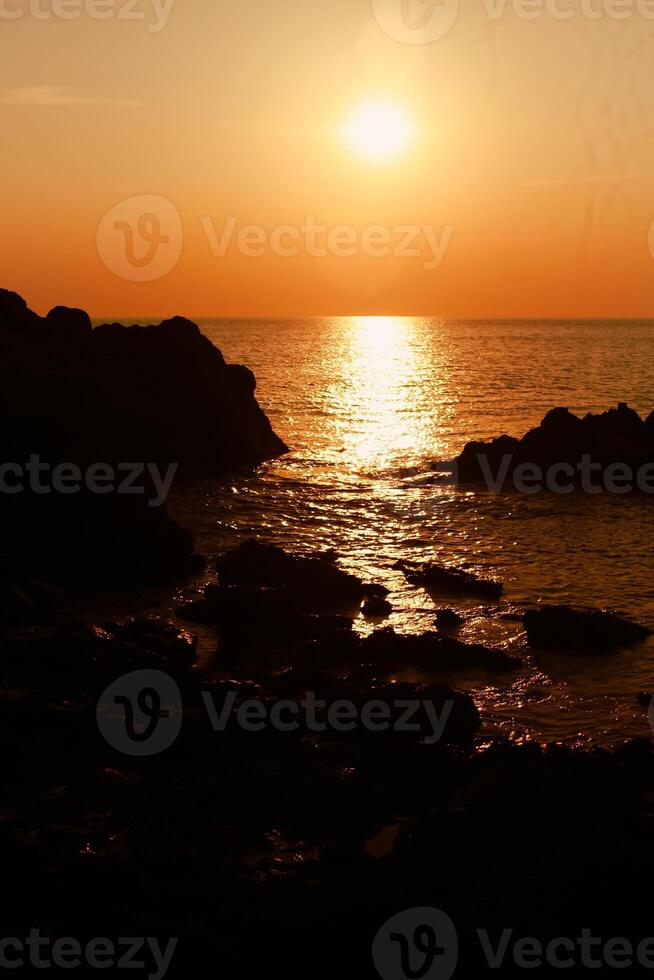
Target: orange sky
531, 161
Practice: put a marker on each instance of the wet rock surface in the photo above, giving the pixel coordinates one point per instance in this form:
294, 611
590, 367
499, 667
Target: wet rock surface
124, 398
448, 619
618, 435
314, 582
159, 393
580, 629
444, 580
281, 832
376, 607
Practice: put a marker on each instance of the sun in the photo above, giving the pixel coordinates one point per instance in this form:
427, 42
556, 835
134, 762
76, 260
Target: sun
378, 130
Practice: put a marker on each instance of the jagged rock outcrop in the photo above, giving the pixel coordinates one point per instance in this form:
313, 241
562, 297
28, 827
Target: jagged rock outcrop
160, 393
580, 629
111, 397
313, 582
616, 436
443, 580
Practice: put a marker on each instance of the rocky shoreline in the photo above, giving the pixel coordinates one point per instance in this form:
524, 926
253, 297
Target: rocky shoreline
104, 411
577, 452
315, 823
310, 832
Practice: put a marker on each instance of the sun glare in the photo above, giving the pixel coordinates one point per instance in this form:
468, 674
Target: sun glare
378, 130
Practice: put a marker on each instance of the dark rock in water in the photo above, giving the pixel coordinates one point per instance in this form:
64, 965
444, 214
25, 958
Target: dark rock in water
91, 538
16, 607
88, 652
432, 653
160, 393
644, 699
376, 608
270, 615
330, 554
85, 398
616, 436
313, 582
457, 711
580, 629
440, 579
463, 721
448, 619
158, 637
452, 712
372, 590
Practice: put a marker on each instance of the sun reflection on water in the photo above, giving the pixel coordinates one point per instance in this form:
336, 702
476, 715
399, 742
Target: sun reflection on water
380, 426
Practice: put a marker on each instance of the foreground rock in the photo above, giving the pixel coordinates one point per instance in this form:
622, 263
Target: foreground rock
91, 540
442, 580
376, 607
272, 597
433, 653
385, 652
271, 616
124, 400
273, 826
313, 582
448, 619
616, 436
159, 393
580, 629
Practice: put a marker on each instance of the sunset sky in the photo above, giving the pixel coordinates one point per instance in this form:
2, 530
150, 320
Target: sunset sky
525, 145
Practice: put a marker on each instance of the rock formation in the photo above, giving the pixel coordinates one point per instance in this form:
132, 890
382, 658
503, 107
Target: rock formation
616, 436
114, 397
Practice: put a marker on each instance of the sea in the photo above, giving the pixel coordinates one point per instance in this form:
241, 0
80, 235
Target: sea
367, 406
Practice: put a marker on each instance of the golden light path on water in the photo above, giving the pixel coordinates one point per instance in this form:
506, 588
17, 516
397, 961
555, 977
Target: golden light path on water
378, 424
367, 405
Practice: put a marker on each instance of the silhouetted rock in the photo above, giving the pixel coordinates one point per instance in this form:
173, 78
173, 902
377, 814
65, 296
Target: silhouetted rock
91, 538
160, 393
161, 639
372, 590
269, 615
313, 583
11, 302
16, 607
448, 619
442, 580
580, 629
432, 653
114, 396
68, 324
616, 436
376, 607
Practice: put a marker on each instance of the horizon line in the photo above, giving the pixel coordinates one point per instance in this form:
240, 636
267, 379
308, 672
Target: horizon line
379, 316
